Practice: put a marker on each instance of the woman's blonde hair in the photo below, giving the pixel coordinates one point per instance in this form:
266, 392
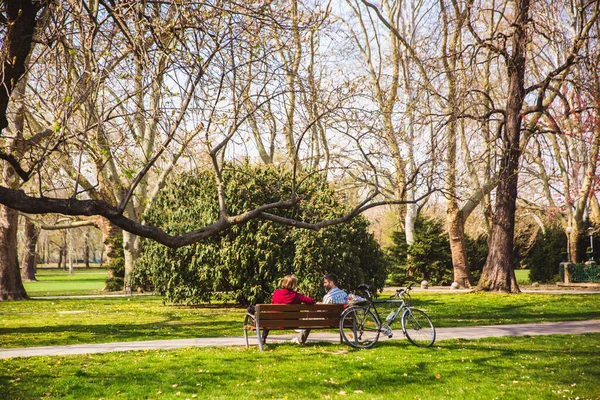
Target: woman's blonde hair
289, 282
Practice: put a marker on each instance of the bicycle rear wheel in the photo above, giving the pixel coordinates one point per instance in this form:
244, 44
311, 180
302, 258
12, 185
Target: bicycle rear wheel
418, 328
359, 327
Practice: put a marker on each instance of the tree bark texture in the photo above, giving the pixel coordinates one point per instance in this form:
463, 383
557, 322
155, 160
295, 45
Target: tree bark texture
11, 285
86, 249
458, 248
498, 273
29, 260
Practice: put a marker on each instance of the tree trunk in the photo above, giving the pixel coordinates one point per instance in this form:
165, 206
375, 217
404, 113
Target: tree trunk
86, 248
131, 248
107, 229
29, 261
11, 285
498, 273
62, 257
458, 248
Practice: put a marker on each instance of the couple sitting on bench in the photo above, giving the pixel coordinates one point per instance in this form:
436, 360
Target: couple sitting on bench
288, 295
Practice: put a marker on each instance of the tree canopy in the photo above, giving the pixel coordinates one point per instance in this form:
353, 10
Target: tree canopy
487, 109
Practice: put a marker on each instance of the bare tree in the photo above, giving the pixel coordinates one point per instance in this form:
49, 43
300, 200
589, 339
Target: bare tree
567, 141
127, 73
498, 273
18, 26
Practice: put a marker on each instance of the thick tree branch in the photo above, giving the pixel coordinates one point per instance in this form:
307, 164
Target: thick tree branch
18, 200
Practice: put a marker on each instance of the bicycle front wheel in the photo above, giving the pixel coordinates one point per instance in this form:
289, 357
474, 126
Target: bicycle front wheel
359, 327
418, 328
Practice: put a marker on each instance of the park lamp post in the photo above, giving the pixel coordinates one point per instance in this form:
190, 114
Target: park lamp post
569, 230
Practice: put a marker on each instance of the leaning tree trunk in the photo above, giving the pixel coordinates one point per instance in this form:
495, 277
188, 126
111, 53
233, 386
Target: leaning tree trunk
498, 273
29, 261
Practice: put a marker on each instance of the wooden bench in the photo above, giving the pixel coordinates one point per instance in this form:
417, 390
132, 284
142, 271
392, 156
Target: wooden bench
292, 316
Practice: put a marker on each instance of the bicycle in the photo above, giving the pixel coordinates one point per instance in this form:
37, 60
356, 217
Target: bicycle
360, 324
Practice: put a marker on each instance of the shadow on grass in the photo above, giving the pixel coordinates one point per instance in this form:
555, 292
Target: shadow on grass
170, 328
494, 314
390, 370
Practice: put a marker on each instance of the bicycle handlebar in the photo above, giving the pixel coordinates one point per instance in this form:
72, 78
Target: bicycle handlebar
400, 292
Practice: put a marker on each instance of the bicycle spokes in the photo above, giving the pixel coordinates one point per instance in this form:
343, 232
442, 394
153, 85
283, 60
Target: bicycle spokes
418, 328
359, 327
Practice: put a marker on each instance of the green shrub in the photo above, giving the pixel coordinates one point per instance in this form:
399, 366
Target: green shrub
247, 261
545, 255
114, 284
429, 255
477, 252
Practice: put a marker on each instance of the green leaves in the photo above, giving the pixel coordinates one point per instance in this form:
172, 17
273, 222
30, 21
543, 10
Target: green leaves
248, 260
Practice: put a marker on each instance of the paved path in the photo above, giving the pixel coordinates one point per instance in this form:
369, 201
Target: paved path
473, 332
557, 290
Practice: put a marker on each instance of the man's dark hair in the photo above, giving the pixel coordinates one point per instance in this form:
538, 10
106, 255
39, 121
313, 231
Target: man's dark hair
332, 278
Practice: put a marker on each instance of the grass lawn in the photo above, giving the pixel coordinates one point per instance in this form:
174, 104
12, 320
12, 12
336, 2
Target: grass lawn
522, 276
72, 321
57, 282
541, 367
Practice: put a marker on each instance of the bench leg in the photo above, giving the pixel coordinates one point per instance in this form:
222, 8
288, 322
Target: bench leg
257, 322
260, 341
246, 337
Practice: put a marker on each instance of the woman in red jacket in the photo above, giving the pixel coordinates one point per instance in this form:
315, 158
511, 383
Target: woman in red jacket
288, 295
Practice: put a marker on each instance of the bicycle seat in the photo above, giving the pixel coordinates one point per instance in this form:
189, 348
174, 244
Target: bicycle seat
364, 286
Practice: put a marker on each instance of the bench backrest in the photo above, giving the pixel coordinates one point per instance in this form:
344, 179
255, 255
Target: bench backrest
298, 316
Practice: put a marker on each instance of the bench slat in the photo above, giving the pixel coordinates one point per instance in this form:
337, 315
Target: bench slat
274, 325
298, 315
298, 307
311, 323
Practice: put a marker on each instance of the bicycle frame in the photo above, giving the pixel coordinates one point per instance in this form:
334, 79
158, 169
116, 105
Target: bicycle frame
399, 311
364, 317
